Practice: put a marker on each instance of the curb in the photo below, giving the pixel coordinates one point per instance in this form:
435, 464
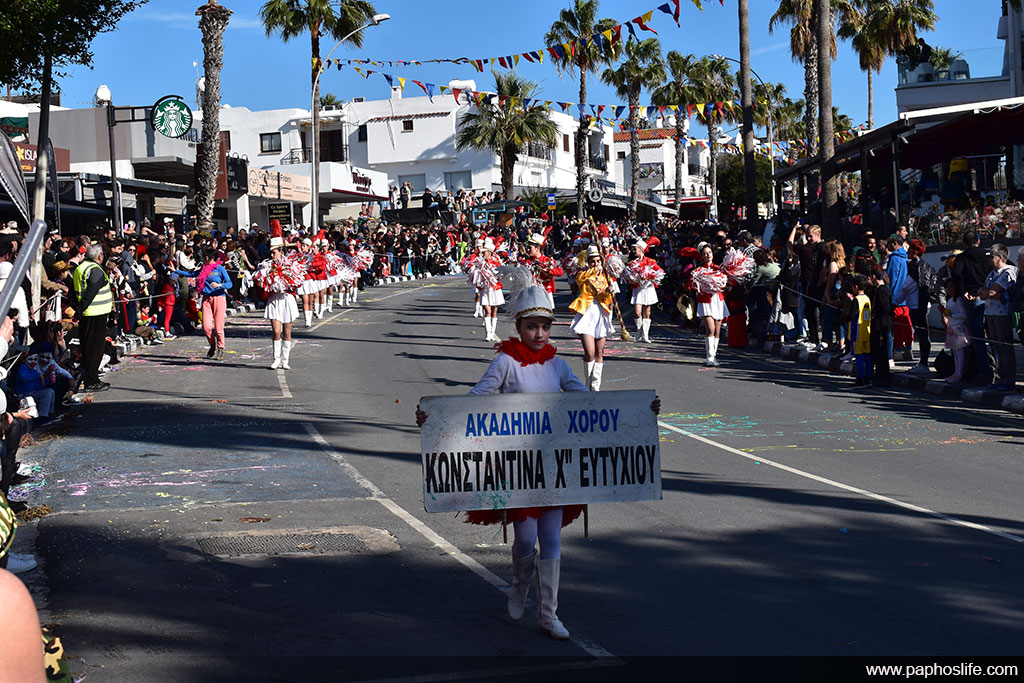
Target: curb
1012, 402
241, 309
391, 279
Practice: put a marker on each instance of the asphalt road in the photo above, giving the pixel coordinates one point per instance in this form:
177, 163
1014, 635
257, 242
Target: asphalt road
798, 518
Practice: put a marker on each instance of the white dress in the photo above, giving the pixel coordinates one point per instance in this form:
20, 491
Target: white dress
491, 297
594, 322
281, 306
506, 375
645, 295
714, 310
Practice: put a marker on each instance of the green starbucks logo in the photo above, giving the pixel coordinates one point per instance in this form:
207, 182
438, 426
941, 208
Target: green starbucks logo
171, 117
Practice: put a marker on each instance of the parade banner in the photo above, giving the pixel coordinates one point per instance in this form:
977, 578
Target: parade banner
504, 451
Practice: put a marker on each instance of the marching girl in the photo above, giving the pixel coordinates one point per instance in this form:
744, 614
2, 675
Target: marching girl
545, 269
279, 276
467, 266
593, 321
333, 276
319, 267
523, 366
644, 275
484, 276
308, 288
710, 281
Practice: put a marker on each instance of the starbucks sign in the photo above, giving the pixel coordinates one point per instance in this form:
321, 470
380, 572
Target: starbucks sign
171, 117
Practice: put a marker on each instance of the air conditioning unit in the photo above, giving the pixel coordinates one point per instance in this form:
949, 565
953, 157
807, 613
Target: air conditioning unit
358, 99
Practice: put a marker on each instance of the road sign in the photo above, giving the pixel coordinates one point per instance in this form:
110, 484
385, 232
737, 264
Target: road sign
171, 117
551, 201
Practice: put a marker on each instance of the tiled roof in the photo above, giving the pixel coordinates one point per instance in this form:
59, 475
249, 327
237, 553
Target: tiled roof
406, 117
648, 134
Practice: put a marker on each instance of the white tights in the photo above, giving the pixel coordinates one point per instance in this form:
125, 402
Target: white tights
548, 529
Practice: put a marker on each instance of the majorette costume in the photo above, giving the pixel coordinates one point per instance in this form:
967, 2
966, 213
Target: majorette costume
483, 274
279, 278
593, 308
356, 260
467, 264
710, 282
644, 275
519, 369
545, 269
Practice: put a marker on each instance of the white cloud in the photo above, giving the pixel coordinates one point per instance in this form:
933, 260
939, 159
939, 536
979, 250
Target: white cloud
769, 48
184, 20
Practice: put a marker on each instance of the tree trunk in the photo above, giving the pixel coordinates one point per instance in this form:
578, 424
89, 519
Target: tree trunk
829, 194
871, 102
746, 100
581, 152
213, 19
39, 191
508, 165
811, 111
634, 152
679, 162
713, 147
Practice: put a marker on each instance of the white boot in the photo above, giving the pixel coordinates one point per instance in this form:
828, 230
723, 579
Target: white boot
522, 577
714, 351
309, 317
595, 383
479, 311
319, 311
589, 370
494, 330
708, 362
547, 598
277, 355
355, 295
330, 302
647, 330
286, 352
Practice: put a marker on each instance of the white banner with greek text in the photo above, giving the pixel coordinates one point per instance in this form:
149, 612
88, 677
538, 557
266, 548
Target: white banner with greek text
505, 451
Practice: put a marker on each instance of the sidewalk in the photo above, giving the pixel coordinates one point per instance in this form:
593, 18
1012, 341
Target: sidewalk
929, 384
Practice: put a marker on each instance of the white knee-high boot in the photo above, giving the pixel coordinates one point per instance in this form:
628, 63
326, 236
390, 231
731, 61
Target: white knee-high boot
286, 352
595, 382
647, 330
707, 351
479, 310
277, 355
330, 302
714, 350
494, 330
547, 598
522, 577
588, 367
355, 295
308, 313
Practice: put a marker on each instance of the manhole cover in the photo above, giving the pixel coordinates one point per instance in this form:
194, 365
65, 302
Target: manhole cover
265, 544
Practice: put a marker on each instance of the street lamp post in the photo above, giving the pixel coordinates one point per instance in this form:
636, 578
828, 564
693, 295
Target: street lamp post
315, 141
104, 97
771, 132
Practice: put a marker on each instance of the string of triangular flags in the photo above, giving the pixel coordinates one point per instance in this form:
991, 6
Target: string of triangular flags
606, 38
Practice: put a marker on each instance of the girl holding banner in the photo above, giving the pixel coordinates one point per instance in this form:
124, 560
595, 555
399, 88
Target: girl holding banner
529, 364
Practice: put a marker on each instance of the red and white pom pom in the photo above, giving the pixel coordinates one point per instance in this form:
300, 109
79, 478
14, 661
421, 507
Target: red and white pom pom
364, 259
615, 265
708, 280
737, 266
571, 265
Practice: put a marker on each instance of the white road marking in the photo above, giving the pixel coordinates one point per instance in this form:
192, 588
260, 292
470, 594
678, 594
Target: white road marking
846, 487
593, 649
285, 391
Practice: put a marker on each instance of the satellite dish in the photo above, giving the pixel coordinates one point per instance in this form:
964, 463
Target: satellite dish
595, 195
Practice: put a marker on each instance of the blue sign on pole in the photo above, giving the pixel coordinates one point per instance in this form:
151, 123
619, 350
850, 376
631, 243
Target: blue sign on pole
551, 201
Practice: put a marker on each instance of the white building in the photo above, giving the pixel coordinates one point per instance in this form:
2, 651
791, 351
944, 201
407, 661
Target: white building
658, 166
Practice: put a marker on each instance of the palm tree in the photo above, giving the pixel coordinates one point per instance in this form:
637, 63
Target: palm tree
504, 125
878, 29
714, 83
641, 68
329, 101
213, 20
577, 25
747, 101
678, 91
335, 18
826, 124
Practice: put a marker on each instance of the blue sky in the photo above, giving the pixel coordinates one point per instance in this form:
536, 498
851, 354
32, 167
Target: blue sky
152, 52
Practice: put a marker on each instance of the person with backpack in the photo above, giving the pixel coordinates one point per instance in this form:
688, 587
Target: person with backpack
920, 289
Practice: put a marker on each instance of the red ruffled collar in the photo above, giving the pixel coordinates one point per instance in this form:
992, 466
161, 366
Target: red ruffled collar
524, 354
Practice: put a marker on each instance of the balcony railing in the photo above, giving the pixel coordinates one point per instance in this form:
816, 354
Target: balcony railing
597, 162
536, 150
301, 155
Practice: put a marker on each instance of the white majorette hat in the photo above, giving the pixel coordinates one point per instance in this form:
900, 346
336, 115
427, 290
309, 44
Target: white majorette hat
527, 299
537, 239
308, 242
592, 252
488, 244
640, 244
277, 243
